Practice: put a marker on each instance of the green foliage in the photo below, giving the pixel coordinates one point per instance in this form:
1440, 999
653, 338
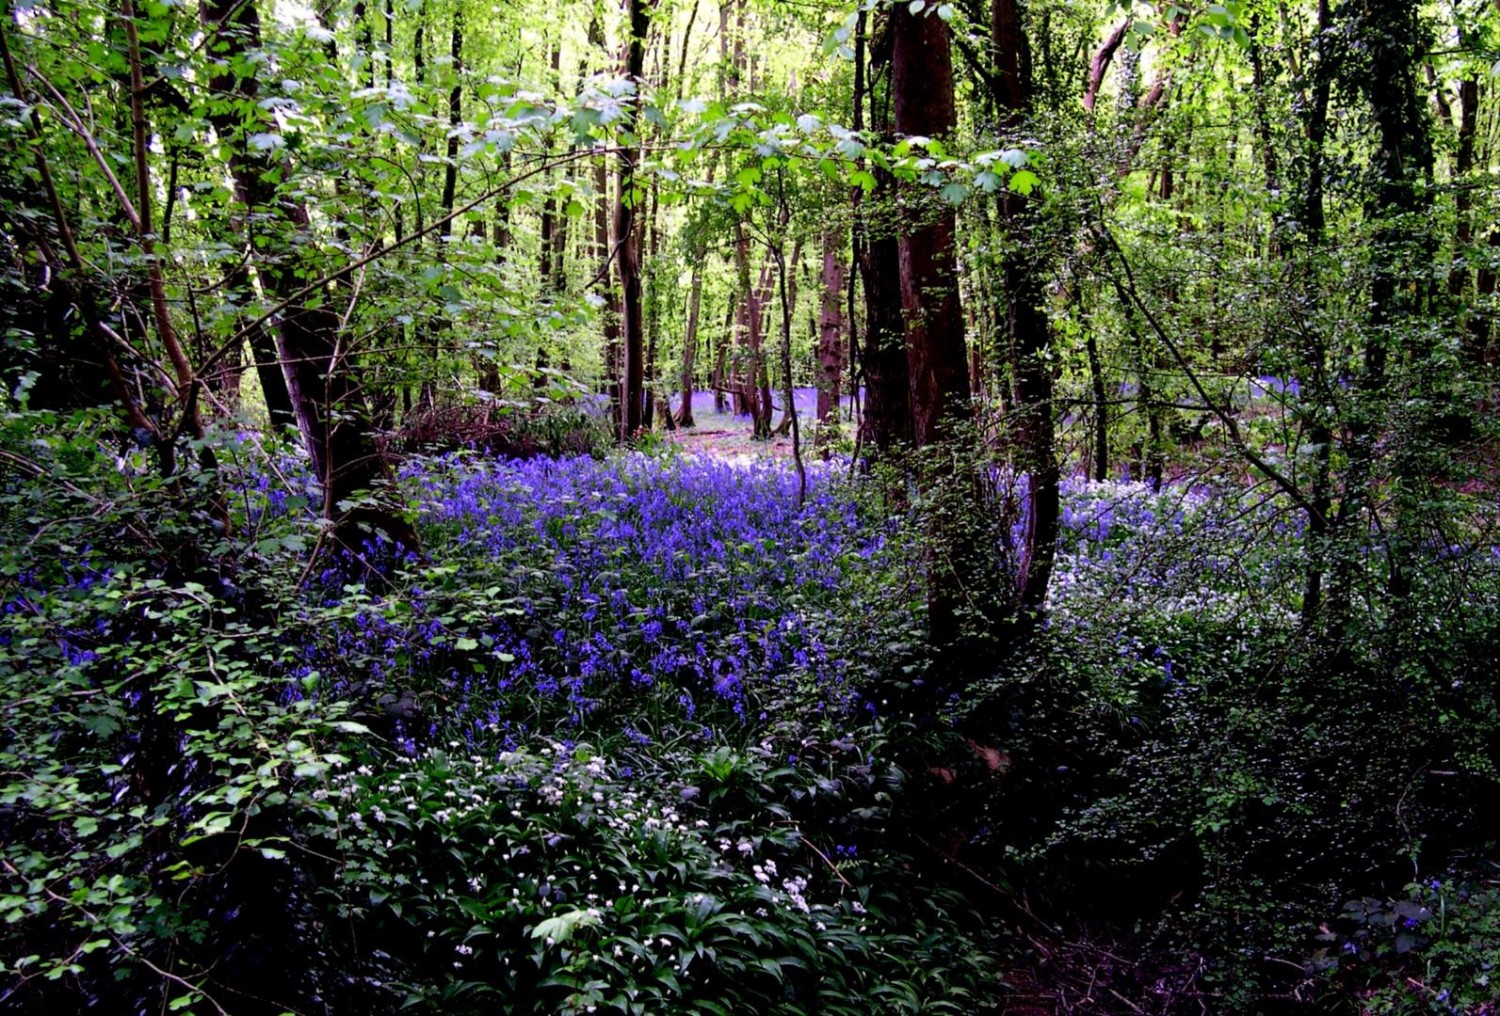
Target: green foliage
550, 880
1243, 779
1433, 951
157, 777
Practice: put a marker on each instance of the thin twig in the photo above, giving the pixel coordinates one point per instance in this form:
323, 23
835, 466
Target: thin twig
837, 874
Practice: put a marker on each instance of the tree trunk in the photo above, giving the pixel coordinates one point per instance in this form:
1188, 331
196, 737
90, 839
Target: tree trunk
887, 417
1026, 321
1314, 353
957, 555
1100, 457
329, 405
690, 341
638, 20
719, 378
922, 91
750, 399
546, 257
830, 331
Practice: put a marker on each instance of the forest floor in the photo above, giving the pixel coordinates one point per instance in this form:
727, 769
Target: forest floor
727, 435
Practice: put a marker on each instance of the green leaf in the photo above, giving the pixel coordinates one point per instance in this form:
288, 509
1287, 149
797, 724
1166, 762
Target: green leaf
1024, 181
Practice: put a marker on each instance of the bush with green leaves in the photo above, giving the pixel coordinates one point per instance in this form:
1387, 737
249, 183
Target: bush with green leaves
557, 880
156, 778
1434, 950
1190, 761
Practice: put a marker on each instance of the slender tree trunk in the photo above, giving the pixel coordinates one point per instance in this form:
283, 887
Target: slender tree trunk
1314, 347
1101, 409
638, 19
830, 330
1026, 320
651, 314
547, 245
1476, 332
690, 341
789, 290
787, 300
750, 398
501, 232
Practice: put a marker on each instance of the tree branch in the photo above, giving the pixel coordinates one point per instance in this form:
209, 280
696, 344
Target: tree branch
1231, 425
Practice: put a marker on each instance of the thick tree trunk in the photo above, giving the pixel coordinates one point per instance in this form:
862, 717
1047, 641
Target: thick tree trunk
330, 408
888, 417
1403, 161
937, 359
959, 560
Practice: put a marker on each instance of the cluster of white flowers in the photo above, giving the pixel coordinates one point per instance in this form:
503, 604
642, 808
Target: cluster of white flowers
795, 889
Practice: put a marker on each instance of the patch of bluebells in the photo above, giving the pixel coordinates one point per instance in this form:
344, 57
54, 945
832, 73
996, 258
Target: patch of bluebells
696, 593
582, 588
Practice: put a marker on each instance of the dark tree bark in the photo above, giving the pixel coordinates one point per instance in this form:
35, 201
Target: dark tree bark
330, 408
1314, 352
959, 555
652, 314
638, 18
227, 90
887, 420
455, 117
788, 291
1026, 320
547, 247
1394, 42
1099, 66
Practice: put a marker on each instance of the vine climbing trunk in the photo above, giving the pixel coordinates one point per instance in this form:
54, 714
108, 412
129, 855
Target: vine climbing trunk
958, 560
830, 331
